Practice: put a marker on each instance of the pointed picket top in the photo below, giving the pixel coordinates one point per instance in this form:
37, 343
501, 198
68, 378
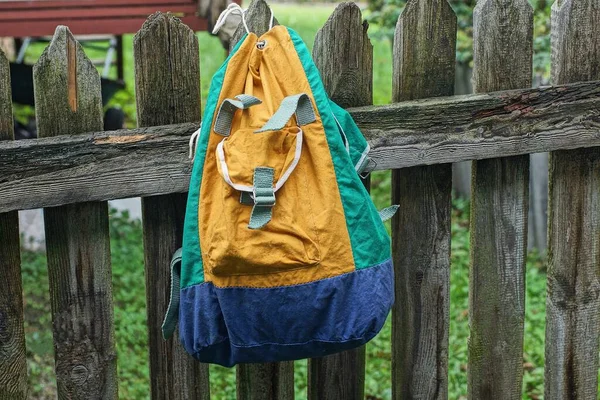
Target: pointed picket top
575, 43
344, 55
258, 16
502, 30
424, 50
6, 123
167, 71
67, 88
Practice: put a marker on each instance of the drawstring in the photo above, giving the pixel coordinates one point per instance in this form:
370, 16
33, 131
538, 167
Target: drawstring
194, 143
235, 8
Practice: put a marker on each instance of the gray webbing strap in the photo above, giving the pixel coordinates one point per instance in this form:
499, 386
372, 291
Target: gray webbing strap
228, 109
388, 212
171, 317
264, 197
299, 104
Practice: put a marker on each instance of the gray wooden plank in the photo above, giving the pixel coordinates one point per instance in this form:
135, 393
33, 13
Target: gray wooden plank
151, 161
573, 299
424, 63
344, 55
13, 367
167, 77
502, 29
68, 101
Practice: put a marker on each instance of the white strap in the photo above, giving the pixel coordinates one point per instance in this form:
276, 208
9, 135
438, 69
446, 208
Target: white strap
245, 188
232, 8
235, 8
194, 143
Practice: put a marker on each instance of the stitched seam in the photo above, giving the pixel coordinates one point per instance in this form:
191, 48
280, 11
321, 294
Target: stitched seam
383, 263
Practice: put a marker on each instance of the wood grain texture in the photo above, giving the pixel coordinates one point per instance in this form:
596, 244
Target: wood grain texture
502, 29
424, 58
167, 78
269, 381
13, 367
153, 161
573, 298
344, 55
68, 100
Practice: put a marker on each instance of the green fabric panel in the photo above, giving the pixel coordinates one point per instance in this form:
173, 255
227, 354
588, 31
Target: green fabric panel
369, 239
356, 141
192, 272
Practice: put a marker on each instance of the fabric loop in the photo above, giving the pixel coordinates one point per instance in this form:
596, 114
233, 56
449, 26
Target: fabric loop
228, 109
299, 104
170, 321
264, 197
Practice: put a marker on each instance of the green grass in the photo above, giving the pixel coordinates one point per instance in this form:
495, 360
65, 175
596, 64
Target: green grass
128, 269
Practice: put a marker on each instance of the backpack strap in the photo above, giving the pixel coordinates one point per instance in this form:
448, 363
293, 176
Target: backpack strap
228, 109
171, 317
298, 104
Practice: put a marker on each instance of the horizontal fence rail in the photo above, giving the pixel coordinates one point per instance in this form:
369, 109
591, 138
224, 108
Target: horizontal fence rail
152, 161
74, 169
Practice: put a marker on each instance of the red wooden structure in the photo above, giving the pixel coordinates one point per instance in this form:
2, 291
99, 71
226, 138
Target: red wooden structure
21, 18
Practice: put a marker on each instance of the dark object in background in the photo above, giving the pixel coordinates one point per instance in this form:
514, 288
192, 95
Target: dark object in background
22, 131
114, 118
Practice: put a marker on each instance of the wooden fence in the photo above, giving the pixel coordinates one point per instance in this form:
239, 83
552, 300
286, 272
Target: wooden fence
73, 168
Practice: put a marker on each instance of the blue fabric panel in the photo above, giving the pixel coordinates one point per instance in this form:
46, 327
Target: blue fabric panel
245, 325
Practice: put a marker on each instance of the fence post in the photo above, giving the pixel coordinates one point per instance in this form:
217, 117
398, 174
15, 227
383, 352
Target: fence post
344, 55
68, 101
424, 64
573, 299
268, 380
13, 368
167, 85
499, 208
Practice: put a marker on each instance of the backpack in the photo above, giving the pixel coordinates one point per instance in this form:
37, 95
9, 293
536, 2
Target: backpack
284, 255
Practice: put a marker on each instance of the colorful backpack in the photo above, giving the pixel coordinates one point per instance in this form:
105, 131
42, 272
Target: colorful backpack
284, 254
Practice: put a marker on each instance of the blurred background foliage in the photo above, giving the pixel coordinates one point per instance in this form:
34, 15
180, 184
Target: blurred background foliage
385, 13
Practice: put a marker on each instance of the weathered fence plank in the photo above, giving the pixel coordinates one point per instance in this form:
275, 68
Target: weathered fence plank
68, 100
13, 369
573, 299
265, 381
424, 57
152, 161
344, 55
167, 77
268, 381
502, 29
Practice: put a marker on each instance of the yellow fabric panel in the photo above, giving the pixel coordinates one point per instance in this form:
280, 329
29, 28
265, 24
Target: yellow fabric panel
246, 150
307, 238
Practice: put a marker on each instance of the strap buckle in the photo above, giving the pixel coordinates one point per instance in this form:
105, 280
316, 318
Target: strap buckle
264, 196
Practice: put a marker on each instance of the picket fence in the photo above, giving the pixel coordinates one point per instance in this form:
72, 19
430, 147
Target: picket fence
73, 168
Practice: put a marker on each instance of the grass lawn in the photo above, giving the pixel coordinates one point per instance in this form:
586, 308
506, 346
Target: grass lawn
128, 268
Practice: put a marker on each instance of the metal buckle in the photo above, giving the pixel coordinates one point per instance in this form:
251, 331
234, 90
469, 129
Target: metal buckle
370, 167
